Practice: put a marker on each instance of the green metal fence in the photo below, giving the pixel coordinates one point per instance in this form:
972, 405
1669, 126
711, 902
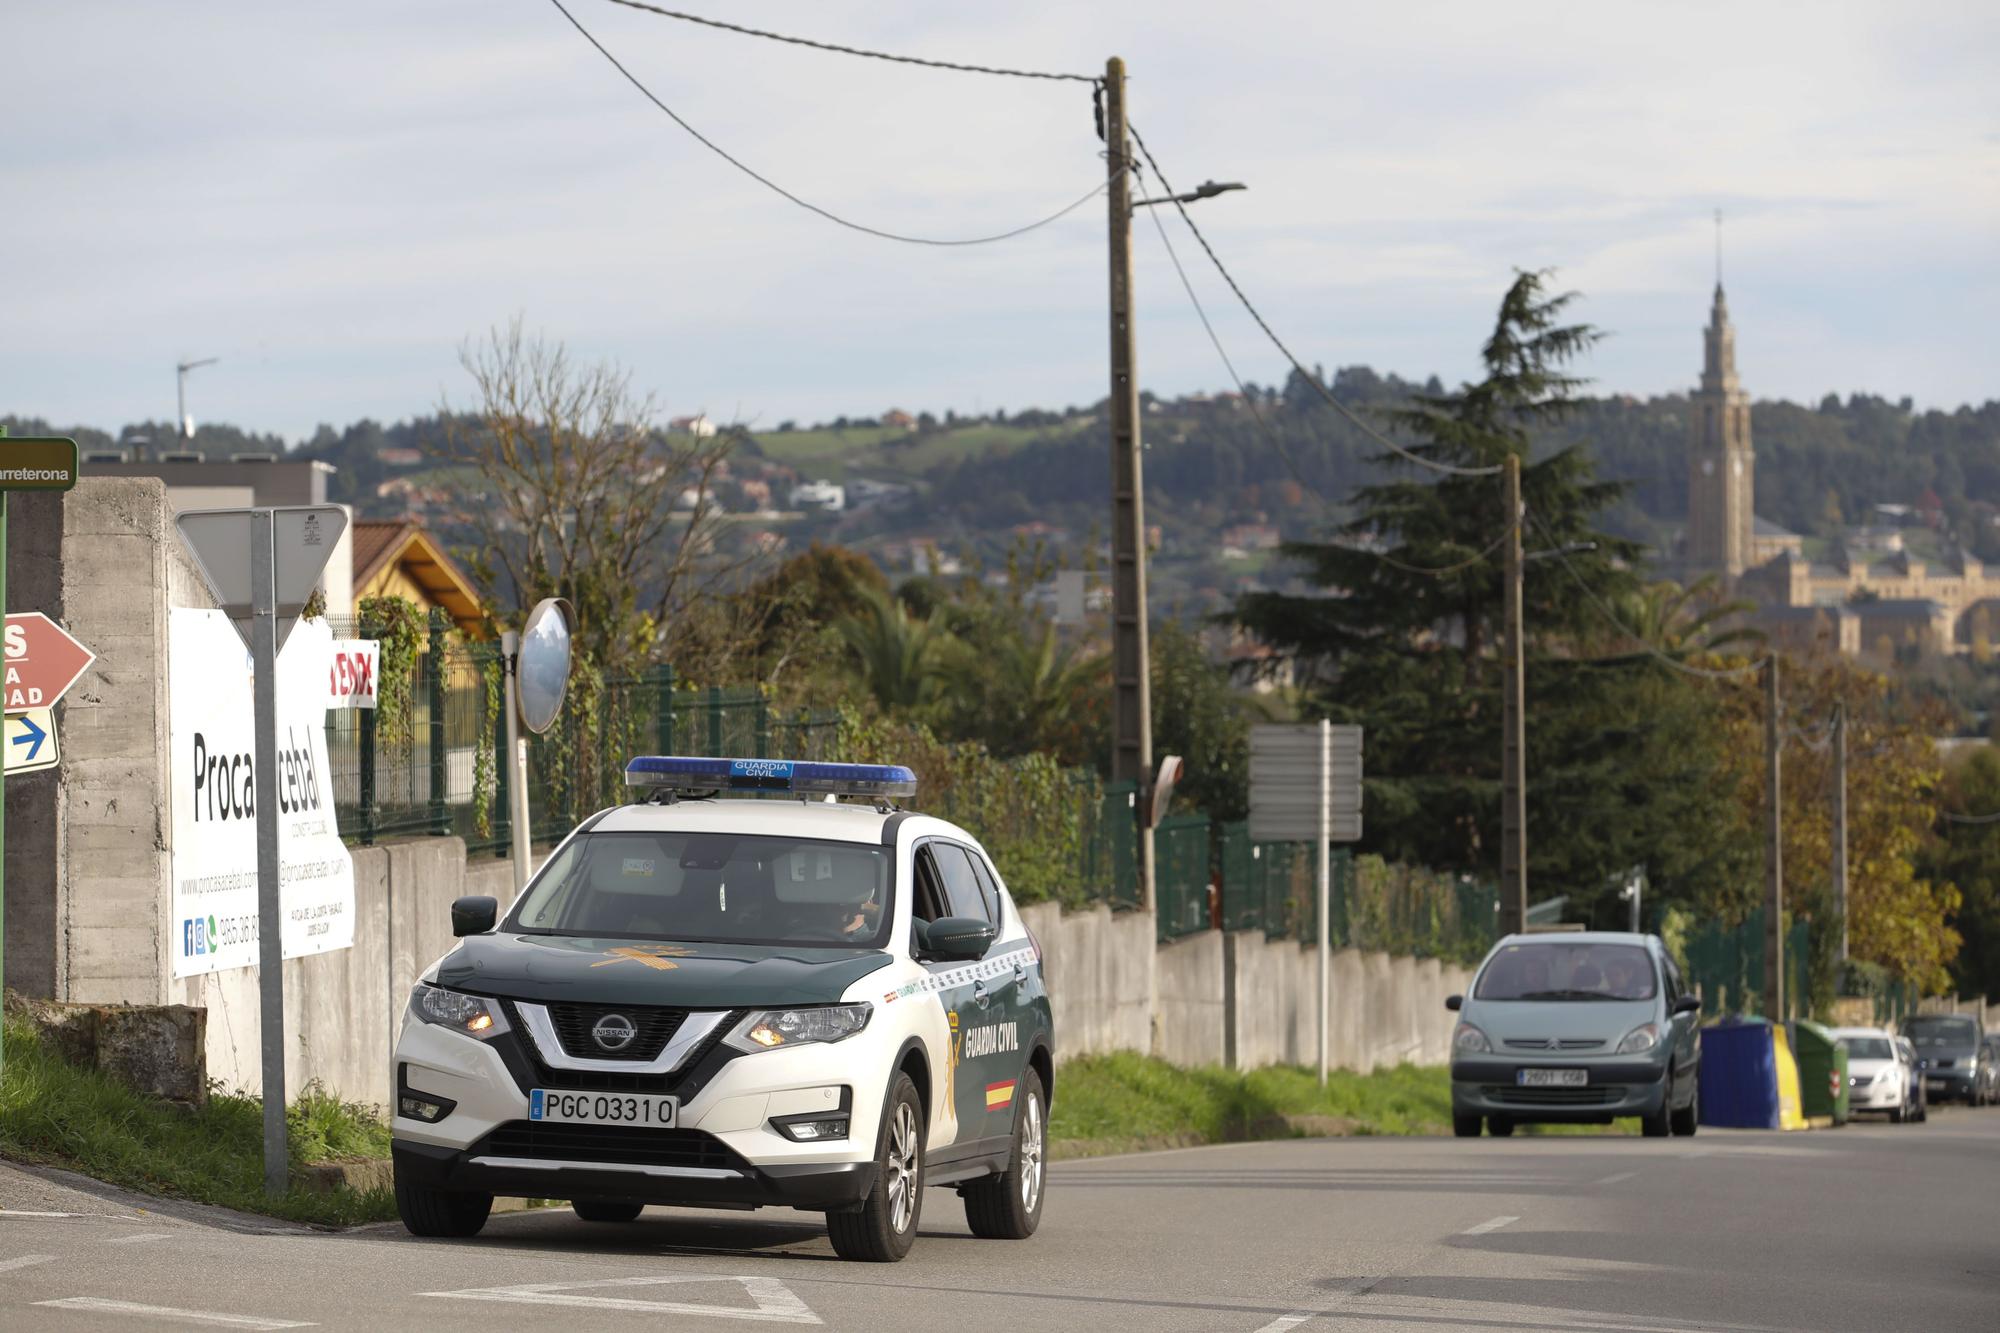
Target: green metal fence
1726, 966
1108, 869
427, 761
1181, 876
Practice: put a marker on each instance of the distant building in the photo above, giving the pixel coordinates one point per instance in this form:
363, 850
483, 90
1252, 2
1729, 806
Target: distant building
820, 495
897, 419
698, 426
1853, 599
400, 457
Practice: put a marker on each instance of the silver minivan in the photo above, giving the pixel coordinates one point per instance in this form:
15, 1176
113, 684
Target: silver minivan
1576, 1028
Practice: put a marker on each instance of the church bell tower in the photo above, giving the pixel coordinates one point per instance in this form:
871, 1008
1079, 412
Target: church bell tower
1721, 467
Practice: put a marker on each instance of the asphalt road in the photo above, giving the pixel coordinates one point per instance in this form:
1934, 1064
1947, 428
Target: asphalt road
1868, 1227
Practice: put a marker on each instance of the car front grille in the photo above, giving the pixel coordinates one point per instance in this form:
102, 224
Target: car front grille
609, 1145
1554, 1043
1597, 1096
655, 1027
538, 1073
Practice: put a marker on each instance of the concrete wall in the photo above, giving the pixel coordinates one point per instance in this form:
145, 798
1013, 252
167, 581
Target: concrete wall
1099, 970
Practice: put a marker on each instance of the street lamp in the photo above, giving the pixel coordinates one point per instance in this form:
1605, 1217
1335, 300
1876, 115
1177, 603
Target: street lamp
1205, 190
183, 427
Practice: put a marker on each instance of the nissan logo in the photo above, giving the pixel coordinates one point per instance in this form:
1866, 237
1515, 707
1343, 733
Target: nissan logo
614, 1032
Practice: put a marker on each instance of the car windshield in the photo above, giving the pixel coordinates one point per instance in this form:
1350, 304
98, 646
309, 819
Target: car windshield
1868, 1048
712, 887
1558, 970
1958, 1034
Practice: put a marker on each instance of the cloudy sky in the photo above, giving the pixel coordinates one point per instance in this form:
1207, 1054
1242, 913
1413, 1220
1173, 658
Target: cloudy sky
332, 197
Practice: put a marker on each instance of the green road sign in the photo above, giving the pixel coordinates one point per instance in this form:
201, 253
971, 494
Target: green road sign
28, 464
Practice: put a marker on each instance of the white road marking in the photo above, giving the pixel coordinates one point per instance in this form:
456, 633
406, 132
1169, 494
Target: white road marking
143, 1235
23, 1212
1614, 1179
776, 1303
25, 1261
94, 1305
1285, 1322
1491, 1224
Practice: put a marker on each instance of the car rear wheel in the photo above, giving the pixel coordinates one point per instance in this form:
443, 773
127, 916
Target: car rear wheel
883, 1228
1009, 1206
434, 1212
606, 1210
1499, 1126
1465, 1126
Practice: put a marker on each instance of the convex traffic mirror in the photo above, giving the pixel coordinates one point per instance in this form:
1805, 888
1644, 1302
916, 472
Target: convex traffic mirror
541, 670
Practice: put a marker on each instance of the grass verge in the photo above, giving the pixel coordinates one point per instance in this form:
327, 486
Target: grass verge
54, 1114
1126, 1102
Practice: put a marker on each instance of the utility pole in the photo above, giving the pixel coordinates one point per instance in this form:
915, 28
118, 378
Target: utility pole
1774, 851
1132, 701
1840, 821
1513, 724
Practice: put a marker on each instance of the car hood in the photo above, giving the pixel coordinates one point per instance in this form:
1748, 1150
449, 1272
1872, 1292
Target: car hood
1576, 1020
1869, 1068
613, 971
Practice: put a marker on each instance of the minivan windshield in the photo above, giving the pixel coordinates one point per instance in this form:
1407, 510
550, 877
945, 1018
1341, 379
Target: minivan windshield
1943, 1030
711, 887
1868, 1048
1566, 970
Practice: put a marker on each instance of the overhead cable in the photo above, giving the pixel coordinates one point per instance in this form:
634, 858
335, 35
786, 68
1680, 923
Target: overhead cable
1993, 818
1354, 418
1604, 609
810, 207
1277, 441
856, 50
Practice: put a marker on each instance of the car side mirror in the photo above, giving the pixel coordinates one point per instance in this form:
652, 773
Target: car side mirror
1687, 1004
474, 914
961, 938
1454, 1002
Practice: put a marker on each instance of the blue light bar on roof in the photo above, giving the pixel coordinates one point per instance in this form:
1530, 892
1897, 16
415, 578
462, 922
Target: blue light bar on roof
686, 773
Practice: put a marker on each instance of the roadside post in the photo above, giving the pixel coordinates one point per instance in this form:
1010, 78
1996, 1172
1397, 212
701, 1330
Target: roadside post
29, 464
262, 565
538, 659
1305, 785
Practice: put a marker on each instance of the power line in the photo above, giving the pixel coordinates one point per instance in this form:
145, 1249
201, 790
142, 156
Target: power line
1353, 418
1604, 609
856, 50
810, 207
1277, 441
1993, 818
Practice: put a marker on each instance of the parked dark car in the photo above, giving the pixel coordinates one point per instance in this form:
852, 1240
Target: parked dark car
1954, 1054
1989, 1090
1920, 1101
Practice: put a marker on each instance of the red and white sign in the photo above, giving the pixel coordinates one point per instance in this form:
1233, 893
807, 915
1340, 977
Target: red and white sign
43, 661
356, 665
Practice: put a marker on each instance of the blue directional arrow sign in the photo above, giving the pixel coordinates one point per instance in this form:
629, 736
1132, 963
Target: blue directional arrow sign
30, 742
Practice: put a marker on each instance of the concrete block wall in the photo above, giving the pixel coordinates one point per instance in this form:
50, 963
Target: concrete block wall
1099, 970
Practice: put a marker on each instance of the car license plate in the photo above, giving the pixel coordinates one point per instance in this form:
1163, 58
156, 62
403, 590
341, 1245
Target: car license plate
1551, 1078
604, 1108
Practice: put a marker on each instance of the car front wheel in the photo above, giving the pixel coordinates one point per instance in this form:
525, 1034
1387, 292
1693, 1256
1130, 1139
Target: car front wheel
1009, 1206
434, 1212
1686, 1119
883, 1228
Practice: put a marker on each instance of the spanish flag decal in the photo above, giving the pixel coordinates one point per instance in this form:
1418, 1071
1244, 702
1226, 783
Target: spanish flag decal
999, 1095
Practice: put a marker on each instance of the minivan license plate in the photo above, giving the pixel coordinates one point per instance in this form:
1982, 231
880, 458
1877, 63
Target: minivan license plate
646, 1110
1551, 1078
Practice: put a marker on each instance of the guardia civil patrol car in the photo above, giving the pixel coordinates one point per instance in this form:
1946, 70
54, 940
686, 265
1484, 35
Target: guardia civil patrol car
738, 991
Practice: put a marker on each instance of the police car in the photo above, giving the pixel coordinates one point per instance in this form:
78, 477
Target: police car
714, 998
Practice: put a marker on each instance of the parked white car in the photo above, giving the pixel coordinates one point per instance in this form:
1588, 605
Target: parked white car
1878, 1079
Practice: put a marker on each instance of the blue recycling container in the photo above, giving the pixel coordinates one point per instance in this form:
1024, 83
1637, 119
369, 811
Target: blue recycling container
1739, 1075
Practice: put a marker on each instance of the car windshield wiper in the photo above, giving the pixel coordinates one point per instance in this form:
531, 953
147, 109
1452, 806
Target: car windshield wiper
1565, 995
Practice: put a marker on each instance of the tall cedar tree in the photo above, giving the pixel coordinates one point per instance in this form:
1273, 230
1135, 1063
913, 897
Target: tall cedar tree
1413, 656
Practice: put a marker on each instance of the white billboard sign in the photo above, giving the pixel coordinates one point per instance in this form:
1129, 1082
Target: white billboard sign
213, 739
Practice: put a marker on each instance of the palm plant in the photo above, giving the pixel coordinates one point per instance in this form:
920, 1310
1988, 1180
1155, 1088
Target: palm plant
900, 657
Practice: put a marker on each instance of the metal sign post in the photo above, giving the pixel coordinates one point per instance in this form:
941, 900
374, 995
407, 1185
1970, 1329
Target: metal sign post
27, 465
1305, 784
262, 565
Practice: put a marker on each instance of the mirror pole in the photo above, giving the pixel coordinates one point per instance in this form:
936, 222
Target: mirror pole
517, 756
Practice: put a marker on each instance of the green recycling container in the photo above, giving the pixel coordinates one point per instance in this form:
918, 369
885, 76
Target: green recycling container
1822, 1071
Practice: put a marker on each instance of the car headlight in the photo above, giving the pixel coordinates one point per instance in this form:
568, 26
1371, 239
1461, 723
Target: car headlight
474, 1015
768, 1029
1642, 1038
1469, 1040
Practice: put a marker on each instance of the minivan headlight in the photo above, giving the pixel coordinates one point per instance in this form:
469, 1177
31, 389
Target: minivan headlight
768, 1029
474, 1015
1469, 1040
1642, 1038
